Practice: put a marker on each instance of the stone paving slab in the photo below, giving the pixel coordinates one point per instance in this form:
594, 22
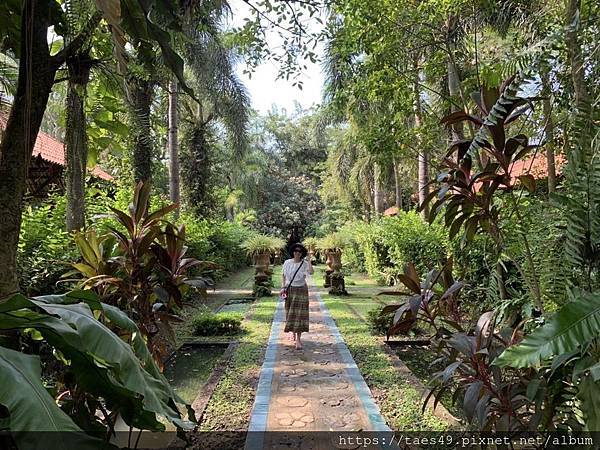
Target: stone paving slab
318, 388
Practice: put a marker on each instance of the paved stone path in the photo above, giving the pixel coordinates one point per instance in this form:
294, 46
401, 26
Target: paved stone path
318, 388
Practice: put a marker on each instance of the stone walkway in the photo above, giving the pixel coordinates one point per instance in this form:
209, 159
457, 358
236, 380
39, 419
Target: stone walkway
318, 388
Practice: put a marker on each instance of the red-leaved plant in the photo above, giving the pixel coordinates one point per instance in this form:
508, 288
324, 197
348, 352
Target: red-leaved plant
493, 398
142, 268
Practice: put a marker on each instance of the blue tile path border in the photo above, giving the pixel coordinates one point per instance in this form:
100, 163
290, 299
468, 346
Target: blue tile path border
260, 411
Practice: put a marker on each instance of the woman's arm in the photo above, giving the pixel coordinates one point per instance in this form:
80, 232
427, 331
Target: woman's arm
309, 261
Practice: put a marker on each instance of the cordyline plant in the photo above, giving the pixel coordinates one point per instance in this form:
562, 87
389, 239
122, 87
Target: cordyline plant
466, 192
475, 356
142, 269
496, 400
547, 380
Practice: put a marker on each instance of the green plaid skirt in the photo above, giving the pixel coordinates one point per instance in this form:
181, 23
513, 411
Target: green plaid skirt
296, 309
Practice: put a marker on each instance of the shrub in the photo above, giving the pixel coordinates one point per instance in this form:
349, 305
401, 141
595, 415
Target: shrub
141, 268
208, 323
218, 241
353, 256
411, 239
372, 248
378, 323
390, 243
44, 246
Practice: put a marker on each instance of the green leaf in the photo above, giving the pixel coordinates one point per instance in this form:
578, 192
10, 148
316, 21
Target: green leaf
589, 394
573, 325
30, 406
172, 60
104, 363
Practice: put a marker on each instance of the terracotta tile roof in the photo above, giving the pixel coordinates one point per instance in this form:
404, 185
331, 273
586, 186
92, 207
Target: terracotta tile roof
391, 211
536, 166
52, 150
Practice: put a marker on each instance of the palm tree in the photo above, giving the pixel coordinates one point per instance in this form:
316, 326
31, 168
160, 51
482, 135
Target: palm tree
79, 67
38, 66
221, 97
173, 144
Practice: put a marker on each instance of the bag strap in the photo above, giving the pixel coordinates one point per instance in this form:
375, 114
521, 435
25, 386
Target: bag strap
292, 280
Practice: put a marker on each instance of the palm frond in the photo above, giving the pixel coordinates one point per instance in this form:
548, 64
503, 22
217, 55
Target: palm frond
216, 81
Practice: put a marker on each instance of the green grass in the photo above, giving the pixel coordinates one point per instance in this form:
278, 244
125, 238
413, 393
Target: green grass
238, 280
362, 305
361, 280
231, 403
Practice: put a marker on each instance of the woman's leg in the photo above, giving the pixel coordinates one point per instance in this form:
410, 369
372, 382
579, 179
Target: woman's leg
298, 341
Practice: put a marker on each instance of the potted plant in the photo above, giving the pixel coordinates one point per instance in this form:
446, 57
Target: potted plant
332, 245
259, 247
311, 244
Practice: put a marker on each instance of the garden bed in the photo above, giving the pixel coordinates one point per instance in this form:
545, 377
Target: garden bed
214, 301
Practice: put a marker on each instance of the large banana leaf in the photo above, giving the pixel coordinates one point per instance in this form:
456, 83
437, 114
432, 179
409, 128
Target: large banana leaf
22, 392
573, 325
121, 321
589, 394
32, 408
102, 362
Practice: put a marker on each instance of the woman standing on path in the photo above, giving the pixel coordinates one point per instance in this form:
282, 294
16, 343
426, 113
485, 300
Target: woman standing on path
295, 271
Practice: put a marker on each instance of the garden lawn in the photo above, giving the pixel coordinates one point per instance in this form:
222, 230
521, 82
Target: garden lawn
241, 280
400, 403
231, 403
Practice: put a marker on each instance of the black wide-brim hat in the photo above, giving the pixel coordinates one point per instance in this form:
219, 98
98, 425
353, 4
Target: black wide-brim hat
301, 247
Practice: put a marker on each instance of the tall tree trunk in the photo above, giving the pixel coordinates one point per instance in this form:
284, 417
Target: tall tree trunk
173, 145
398, 187
549, 131
76, 145
37, 70
423, 165
36, 77
457, 131
140, 100
378, 194
196, 173
573, 9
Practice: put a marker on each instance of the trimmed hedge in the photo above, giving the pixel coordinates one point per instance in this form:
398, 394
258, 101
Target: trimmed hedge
386, 245
220, 324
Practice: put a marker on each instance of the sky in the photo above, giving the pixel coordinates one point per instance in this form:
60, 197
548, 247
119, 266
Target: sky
263, 86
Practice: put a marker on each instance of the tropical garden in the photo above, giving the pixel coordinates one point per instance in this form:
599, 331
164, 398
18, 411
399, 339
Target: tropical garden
447, 186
